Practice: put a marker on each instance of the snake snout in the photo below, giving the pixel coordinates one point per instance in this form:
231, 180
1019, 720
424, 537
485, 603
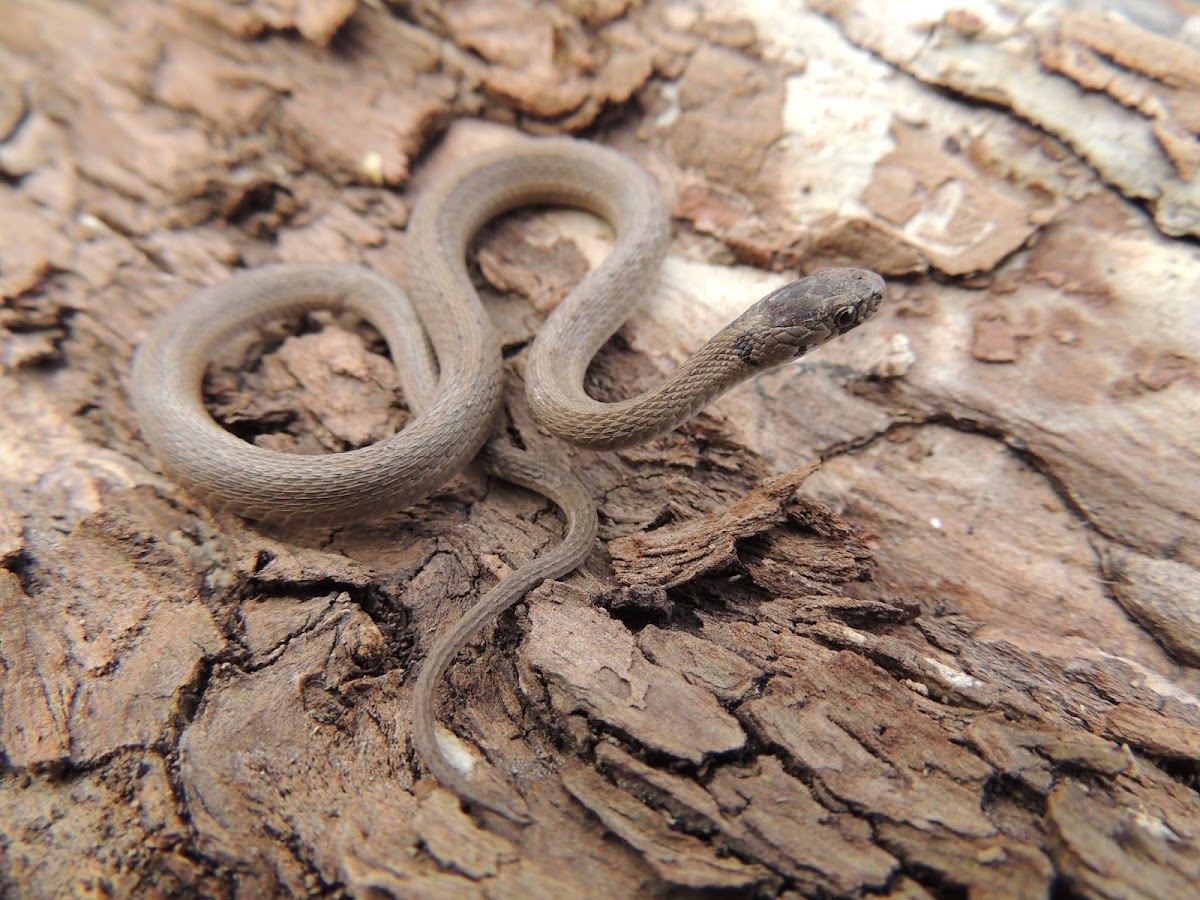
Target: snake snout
859, 295
804, 314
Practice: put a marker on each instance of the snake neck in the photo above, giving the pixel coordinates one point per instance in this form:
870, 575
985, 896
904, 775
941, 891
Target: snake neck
570, 413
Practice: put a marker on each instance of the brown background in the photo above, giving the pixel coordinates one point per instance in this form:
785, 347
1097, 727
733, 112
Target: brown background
959, 653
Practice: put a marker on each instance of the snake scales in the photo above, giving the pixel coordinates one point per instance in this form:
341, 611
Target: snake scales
449, 363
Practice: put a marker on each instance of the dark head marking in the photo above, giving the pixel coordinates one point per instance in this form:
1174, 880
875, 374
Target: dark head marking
801, 316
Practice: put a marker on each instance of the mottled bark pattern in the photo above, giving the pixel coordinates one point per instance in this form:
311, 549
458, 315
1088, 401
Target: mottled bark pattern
959, 653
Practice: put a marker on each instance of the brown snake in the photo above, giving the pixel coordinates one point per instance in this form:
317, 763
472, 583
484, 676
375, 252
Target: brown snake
450, 370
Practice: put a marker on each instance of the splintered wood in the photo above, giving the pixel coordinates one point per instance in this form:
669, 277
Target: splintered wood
957, 657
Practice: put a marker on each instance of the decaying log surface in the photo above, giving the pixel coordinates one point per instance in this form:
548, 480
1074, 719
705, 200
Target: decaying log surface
958, 653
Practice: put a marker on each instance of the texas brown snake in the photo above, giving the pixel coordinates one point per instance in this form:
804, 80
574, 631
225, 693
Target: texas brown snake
450, 369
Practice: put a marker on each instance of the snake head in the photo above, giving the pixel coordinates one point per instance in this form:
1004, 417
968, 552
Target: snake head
803, 315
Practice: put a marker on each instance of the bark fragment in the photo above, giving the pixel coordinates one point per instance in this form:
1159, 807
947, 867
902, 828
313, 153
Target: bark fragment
956, 657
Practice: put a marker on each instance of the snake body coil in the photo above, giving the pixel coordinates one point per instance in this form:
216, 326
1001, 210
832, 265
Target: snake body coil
450, 369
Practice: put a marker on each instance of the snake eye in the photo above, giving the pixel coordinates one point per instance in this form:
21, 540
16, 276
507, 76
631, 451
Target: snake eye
846, 316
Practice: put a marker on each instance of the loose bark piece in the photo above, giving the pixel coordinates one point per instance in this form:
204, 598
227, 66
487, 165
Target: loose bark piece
677, 859
592, 665
456, 842
1161, 594
30, 247
925, 657
1159, 736
1153, 840
1019, 62
671, 556
241, 790
785, 824
542, 61
966, 219
729, 677
887, 771
105, 656
317, 20
686, 802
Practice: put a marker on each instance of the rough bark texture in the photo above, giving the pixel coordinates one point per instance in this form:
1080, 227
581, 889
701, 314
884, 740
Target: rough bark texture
960, 653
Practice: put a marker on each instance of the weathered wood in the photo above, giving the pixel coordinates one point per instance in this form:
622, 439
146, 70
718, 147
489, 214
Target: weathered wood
959, 654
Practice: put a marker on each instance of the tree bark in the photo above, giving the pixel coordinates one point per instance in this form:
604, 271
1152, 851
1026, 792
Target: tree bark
919, 615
